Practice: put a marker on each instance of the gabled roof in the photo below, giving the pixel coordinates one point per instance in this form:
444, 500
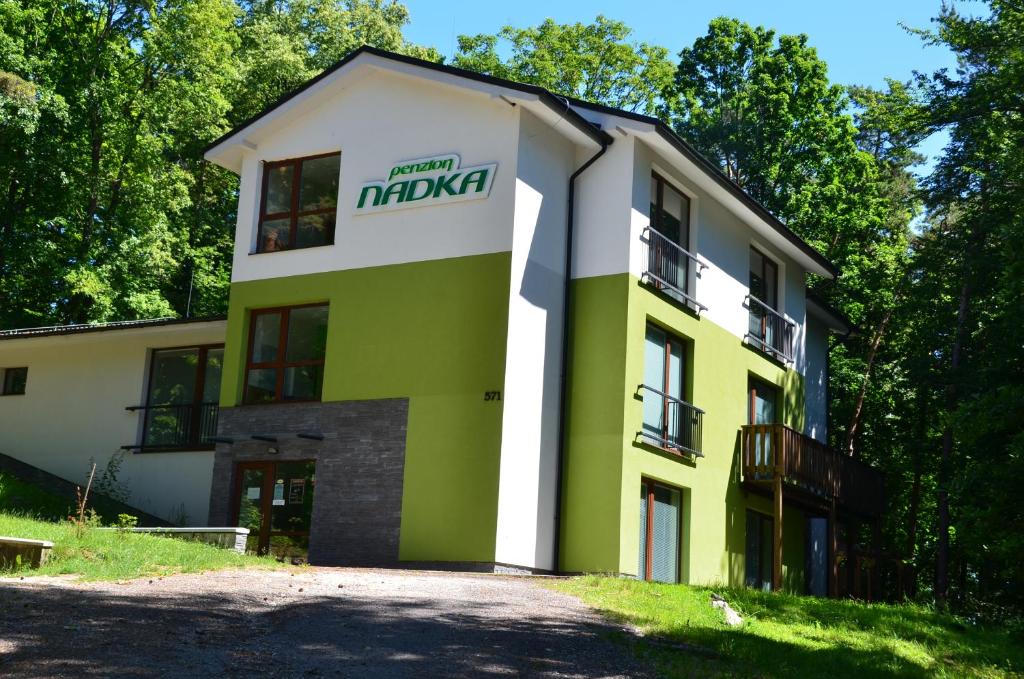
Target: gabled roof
563, 108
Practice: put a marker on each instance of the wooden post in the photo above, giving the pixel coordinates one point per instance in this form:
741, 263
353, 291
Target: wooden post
780, 453
833, 549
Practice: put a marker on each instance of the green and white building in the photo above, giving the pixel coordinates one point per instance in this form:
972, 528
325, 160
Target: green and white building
398, 379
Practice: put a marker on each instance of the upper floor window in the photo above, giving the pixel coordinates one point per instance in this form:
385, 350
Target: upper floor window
286, 354
182, 400
668, 260
764, 278
763, 401
669, 421
299, 203
14, 381
670, 211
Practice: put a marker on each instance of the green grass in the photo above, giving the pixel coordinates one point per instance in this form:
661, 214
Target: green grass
110, 555
791, 636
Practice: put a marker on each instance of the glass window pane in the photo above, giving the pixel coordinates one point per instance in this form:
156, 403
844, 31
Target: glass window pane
319, 183
641, 571
771, 284
303, 383
757, 287
275, 235
265, 337
15, 380
764, 405
307, 334
313, 230
262, 385
665, 538
279, 189
173, 380
214, 370
250, 507
654, 376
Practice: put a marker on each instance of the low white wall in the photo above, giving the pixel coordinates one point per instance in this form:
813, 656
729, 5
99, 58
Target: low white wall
73, 410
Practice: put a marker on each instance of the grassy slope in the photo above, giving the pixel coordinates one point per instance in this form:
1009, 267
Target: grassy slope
103, 555
789, 636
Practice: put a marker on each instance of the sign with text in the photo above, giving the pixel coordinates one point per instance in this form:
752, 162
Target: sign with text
426, 181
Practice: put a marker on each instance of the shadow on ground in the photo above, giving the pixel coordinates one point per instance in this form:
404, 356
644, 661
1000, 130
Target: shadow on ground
140, 629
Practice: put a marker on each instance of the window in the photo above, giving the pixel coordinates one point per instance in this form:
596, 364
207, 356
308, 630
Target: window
299, 203
670, 219
759, 551
14, 381
764, 279
286, 354
182, 399
763, 400
660, 523
663, 387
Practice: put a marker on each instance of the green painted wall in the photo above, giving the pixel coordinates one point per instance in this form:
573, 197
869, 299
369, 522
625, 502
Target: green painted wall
434, 332
606, 460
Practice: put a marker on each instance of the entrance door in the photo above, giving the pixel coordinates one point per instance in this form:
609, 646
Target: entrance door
274, 500
660, 519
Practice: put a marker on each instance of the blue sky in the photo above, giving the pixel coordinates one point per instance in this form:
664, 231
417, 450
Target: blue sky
862, 42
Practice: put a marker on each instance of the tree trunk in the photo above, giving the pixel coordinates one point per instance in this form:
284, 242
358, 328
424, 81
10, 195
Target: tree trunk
945, 466
858, 408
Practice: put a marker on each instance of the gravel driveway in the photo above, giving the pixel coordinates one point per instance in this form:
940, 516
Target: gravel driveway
308, 623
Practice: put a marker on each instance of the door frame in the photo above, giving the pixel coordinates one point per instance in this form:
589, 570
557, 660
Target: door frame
269, 468
648, 485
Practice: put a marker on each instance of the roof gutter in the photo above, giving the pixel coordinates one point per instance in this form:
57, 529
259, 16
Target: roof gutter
563, 386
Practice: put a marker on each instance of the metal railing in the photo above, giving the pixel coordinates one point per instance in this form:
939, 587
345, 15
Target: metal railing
179, 426
771, 450
667, 267
680, 424
770, 331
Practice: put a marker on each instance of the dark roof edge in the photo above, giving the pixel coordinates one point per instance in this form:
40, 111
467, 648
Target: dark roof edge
715, 173
52, 331
838, 316
560, 104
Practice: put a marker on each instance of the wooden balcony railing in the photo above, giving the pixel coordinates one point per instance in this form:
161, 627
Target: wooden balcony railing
771, 450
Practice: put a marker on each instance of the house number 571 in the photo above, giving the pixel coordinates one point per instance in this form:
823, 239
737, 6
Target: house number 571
492, 395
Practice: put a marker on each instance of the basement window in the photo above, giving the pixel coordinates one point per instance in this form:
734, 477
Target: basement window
14, 381
299, 203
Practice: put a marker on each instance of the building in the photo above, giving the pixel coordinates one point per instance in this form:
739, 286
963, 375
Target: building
397, 339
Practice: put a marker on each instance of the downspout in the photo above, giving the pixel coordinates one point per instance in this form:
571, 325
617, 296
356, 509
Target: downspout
563, 415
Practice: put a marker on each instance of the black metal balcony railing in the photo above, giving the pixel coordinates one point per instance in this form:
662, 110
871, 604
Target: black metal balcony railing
179, 426
678, 426
770, 331
667, 267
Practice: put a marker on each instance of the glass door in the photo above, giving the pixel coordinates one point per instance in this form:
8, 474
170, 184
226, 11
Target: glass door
274, 500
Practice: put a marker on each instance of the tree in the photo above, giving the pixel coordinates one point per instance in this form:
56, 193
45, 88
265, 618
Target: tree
593, 62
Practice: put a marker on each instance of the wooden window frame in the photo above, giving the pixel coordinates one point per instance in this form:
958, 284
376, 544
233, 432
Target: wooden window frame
762, 518
752, 384
280, 365
767, 262
5, 384
294, 213
197, 398
666, 374
649, 485
661, 182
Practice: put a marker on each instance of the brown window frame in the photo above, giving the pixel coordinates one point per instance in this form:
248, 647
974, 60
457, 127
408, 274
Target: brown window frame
294, 213
666, 372
659, 204
752, 384
5, 385
767, 261
281, 364
195, 442
649, 485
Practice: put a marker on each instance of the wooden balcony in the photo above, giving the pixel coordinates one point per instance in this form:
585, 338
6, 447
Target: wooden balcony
810, 469
785, 463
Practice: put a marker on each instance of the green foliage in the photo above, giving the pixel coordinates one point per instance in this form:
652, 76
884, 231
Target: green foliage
593, 62
787, 636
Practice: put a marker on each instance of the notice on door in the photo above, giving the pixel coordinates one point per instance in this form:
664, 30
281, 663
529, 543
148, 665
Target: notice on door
252, 493
279, 493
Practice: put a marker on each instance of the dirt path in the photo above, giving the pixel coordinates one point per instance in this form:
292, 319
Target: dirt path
311, 623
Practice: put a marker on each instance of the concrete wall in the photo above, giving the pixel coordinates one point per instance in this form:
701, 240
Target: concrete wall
73, 411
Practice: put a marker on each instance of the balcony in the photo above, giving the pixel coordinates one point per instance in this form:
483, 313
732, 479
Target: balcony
809, 469
770, 331
671, 424
667, 268
185, 426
